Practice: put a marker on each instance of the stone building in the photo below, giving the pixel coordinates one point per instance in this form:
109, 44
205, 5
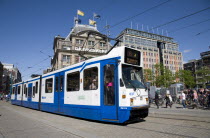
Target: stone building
84, 41
11, 75
155, 48
194, 65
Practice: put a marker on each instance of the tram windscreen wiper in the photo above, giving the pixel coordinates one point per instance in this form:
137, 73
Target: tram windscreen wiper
132, 86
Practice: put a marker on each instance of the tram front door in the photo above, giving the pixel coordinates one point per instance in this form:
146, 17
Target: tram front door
109, 88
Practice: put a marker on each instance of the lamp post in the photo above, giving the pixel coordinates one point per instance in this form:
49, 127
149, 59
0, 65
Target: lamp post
11, 82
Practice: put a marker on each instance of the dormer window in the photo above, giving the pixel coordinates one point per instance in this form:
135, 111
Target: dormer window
91, 43
79, 41
102, 44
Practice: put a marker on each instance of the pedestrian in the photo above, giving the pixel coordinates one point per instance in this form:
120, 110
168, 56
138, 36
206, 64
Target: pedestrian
208, 98
167, 98
195, 99
183, 100
157, 99
170, 100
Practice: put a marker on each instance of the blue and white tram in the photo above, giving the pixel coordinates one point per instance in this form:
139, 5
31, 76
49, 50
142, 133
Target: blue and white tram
106, 88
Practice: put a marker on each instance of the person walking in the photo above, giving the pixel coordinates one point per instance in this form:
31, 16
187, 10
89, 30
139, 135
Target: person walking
167, 98
170, 100
183, 100
195, 99
157, 99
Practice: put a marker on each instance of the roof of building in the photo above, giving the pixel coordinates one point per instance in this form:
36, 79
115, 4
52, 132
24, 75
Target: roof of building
79, 28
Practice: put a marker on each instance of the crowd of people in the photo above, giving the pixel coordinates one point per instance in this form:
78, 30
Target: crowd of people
189, 98
196, 98
4, 97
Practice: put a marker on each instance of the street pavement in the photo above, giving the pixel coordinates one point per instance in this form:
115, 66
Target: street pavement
20, 122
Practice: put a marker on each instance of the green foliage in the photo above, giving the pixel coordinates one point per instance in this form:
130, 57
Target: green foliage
148, 75
203, 75
186, 77
164, 77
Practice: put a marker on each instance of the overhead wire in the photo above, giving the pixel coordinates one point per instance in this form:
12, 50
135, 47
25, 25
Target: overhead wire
202, 32
138, 14
175, 30
182, 17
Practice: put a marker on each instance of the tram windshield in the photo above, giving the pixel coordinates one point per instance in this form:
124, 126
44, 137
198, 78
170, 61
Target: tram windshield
132, 77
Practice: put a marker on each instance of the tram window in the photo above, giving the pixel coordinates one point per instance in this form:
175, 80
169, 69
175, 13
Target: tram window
56, 84
25, 91
13, 90
18, 89
73, 81
36, 87
109, 95
61, 83
91, 79
121, 83
48, 85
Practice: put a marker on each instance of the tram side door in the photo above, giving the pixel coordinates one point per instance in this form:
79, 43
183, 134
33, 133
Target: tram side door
59, 92
109, 90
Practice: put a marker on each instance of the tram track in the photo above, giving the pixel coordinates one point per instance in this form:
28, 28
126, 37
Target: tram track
184, 126
181, 119
183, 123
161, 132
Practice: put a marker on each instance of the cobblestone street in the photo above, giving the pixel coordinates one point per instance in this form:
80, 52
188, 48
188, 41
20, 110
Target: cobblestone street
16, 121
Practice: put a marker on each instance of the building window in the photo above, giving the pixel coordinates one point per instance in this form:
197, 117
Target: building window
102, 44
66, 47
76, 59
79, 41
91, 43
73, 81
66, 58
49, 85
91, 79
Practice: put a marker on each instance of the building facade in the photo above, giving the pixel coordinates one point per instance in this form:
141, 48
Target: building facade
84, 41
194, 65
156, 49
11, 75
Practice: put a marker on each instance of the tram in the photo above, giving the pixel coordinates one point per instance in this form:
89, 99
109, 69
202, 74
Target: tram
107, 88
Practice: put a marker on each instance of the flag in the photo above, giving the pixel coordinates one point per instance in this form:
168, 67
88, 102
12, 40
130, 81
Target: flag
91, 22
80, 13
96, 16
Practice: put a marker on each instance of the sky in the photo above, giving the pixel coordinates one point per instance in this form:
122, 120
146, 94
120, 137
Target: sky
28, 27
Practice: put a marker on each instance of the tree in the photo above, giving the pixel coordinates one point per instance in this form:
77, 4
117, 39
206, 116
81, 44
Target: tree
204, 75
164, 77
186, 77
148, 75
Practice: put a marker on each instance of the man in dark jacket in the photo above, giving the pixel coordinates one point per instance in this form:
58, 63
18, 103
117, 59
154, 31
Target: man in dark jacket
157, 99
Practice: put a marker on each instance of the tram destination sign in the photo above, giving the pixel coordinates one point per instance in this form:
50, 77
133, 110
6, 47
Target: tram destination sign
132, 56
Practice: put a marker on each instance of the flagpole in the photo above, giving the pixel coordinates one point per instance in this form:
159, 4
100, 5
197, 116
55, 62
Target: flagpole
77, 14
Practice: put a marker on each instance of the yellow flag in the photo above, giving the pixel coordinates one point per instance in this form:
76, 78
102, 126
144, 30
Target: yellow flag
80, 13
91, 22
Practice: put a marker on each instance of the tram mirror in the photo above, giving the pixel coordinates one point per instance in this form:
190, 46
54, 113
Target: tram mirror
132, 76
